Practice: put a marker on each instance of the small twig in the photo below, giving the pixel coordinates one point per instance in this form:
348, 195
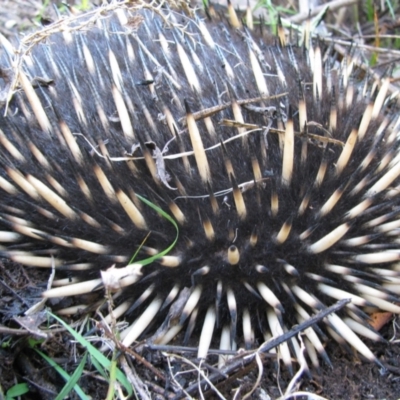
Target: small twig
11, 290
259, 377
199, 384
172, 376
187, 349
303, 365
210, 111
307, 395
155, 389
274, 342
143, 361
137, 383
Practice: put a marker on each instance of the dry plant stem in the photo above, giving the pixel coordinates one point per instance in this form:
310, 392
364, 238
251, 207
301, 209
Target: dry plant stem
21, 332
199, 373
395, 327
134, 380
132, 353
187, 349
351, 42
229, 381
308, 395
333, 5
199, 384
155, 389
208, 112
226, 122
177, 384
259, 376
341, 50
246, 358
10, 331
71, 24
303, 365
143, 361
14, 293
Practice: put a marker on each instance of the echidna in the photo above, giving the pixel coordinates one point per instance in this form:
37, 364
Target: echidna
228, 185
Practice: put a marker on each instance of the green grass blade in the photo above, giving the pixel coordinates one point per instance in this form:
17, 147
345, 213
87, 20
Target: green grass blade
64, 374
99, 368
73, 379
94, 353
111, 388
150, 260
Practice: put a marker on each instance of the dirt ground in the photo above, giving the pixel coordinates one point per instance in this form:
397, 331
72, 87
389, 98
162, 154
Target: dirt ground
348, 378
20, 288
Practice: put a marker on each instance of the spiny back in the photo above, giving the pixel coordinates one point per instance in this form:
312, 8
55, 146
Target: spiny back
255, 182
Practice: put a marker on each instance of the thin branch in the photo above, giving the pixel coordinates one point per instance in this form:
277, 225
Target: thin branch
247, 357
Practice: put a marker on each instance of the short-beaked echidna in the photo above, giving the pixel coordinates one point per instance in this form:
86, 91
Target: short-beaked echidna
238, 184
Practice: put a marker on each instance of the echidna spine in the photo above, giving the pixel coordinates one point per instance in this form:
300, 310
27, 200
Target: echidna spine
222, 184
